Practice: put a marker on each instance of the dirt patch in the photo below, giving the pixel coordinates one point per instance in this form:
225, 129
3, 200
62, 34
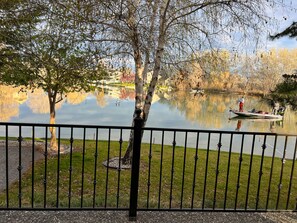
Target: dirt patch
115, 163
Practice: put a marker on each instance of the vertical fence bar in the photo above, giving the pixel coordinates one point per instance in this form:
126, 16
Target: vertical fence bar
161, 171
184, 169
271, 172
149, 170
292, 174
58, 167
239, 172
95, 170
206, 170
261, 172
70, 168
281, 173
45, 169
135, 166
217, 172
228, 172
195, 171
6, 168
107, 169
250, 172
119, 168
33, 166
20, 167
172, 168
83, 169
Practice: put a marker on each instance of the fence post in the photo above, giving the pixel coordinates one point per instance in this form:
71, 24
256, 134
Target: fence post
135, 166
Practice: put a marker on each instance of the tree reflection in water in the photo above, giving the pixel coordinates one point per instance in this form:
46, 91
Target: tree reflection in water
38, 102
9, 103
175, 109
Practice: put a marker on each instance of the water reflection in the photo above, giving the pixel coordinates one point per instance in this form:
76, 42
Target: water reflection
238, 126
38, 102
273, 125
114, 106
100, 98
212, 112
76, 98
9, 102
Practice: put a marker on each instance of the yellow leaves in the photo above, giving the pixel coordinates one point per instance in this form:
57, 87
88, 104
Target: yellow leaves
271, 65
221, 80
283, 59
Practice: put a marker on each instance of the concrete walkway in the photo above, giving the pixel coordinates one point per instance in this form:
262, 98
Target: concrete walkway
13, 160
26, 158
154, 217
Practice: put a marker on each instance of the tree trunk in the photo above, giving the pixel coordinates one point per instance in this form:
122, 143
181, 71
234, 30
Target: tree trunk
52, 103
153, 83
150, 41
138, 100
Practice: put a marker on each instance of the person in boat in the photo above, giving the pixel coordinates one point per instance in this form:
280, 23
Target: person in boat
241, 102
281, 111
276, 108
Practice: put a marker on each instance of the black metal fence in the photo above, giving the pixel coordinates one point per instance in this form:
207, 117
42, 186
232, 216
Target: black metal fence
172, 169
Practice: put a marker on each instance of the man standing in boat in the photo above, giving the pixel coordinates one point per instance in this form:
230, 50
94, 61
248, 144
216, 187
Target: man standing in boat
241, 102
275, 108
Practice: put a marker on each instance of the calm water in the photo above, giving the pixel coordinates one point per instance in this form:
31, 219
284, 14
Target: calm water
115, 107
175, 110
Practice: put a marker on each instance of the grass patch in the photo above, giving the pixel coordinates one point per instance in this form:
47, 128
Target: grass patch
195, 182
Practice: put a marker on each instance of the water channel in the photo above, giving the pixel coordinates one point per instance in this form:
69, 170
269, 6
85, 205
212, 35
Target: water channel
114, 107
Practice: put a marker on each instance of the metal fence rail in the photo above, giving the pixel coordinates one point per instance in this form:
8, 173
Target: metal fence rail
175, 169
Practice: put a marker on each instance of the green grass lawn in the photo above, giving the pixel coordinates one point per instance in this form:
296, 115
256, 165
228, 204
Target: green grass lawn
159, 186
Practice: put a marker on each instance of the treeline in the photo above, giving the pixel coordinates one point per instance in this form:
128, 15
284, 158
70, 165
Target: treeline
286, 91
257, 73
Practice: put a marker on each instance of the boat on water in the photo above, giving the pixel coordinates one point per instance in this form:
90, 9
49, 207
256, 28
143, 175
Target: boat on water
255, 114
197, 91
236, 118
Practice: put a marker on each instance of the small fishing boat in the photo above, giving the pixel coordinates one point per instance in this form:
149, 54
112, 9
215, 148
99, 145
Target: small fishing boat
254, 114
253, 119
197, 91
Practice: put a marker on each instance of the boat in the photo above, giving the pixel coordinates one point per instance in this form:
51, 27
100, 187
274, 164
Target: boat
253, 119
197, 91
258, 115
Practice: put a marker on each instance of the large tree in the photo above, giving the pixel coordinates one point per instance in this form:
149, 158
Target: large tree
158, 33
163, 32
54, 56
16, 20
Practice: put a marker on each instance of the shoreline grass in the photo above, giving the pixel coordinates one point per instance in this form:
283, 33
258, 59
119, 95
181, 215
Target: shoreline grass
193, 183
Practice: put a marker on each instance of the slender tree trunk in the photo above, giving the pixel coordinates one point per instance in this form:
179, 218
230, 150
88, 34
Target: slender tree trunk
150, 39
138, 100
138, 78
157, 62
153, 83
52, 103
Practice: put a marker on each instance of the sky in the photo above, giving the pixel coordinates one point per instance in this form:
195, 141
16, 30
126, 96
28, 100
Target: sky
285, 16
